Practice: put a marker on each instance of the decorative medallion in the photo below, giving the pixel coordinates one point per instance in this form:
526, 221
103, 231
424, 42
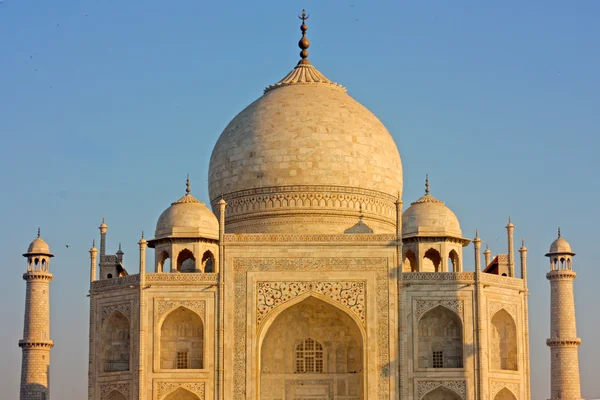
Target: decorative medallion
349, 294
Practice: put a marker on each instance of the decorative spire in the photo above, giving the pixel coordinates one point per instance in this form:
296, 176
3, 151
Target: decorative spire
39, 231
142, 234
477, 235
187, 185
119, 246
428, 198
558, 232
93, 243
188, 198
426, 183
304, 44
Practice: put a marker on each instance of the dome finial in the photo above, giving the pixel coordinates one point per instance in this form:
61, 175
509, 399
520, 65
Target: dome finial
426, 183
187, 184
304, 44
39, 231
558, 231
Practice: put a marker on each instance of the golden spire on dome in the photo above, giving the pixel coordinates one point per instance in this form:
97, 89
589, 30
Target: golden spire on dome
428, 198
188, 198
40, 230
304, 72
304, 44
426, 183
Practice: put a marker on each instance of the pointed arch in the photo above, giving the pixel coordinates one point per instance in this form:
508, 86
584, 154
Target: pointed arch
441, 393
116, 395
116, 343
312, 336
409, 264
503, 341
164, 260
505, 394
208, 262
454, 261
186, 262
431, 261
182, 340
181, 394
440, 339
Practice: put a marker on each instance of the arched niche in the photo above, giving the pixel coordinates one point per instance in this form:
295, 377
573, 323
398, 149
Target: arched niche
505, 394
440, 339
181, 394
453, 261
116, 395
431, 261
116, 343
186, 262
410, 262
182, 340
503, 342
208, 262
441, 393
310, 343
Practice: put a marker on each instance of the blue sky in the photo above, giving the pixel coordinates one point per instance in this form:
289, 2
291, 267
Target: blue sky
106, 106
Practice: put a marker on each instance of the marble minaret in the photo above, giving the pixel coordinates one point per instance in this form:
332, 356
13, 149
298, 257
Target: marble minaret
36, 343
563, 340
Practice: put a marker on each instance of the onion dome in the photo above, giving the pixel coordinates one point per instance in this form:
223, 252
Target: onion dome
187, 218
560, 246
305, 157
429, 217
38, 247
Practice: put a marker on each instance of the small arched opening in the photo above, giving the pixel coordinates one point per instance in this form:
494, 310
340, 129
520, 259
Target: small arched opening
208, 262
116, 343
431, 261
186, 262
116, 395
410, 262
505, 394
503, 346
181, 394
440, 339
442, 393
453, 261
182, 340
164, 262
36, 264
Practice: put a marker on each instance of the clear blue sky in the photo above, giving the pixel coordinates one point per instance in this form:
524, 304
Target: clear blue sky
106, 105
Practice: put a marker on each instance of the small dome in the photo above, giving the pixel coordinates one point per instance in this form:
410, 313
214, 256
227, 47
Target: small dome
560, 245
429, 216
187, 218
38, 246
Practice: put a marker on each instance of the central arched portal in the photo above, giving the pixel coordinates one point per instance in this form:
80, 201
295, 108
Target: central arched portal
312, 350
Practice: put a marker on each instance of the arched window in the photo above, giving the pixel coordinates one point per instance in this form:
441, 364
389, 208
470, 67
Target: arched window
505, 394
410, 262
186, 262
454, 261
440, 339
309, 357
431, 261
116, 395
116, 343
181, 394
441, 393
164, 262
208, 262
182, 340
503, 346
109, 276
36, 264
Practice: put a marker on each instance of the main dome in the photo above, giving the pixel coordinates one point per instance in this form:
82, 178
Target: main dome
306, 150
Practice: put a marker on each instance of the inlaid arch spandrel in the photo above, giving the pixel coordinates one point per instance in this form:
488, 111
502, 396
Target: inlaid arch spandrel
107, 388
164, 306
422, 306
458, 387
496, 387
123, 308
349, 294
163, 389
495, 306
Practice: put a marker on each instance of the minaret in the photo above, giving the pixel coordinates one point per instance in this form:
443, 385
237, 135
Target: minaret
510, 230
36, 343
103, 228
488, 256
563, 340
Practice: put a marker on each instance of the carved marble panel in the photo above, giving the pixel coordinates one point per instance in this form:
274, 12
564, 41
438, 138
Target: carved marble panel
496, 387
124, 308
350, 294
164, 388
495, 306
163, 306
107, 388
422, 306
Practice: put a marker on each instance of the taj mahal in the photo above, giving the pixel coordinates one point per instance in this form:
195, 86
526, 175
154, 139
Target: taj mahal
307, 277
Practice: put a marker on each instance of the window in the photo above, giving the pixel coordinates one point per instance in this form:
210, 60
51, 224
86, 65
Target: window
182, 360
438, 359
309, 357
